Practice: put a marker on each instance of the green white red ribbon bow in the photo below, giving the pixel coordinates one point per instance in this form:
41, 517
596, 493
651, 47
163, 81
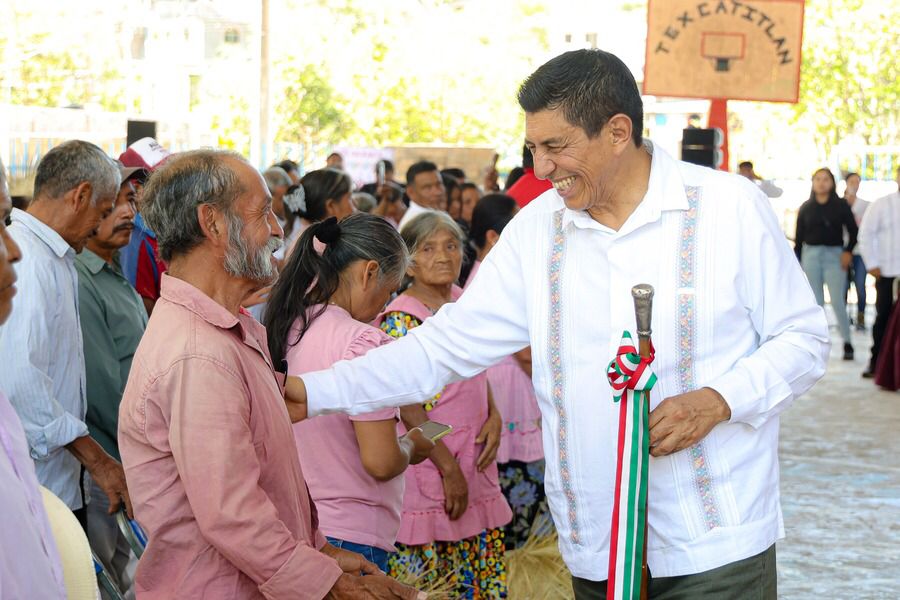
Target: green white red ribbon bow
631, 379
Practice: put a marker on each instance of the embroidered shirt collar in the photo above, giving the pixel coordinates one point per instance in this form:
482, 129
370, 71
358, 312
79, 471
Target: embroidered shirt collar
665, 191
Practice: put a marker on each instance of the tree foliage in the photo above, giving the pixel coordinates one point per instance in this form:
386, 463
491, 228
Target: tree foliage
309, 109
408, 71
850, 83
51, 76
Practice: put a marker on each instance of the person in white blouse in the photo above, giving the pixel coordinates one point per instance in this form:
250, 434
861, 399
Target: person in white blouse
879, 244
41, 348
737, 330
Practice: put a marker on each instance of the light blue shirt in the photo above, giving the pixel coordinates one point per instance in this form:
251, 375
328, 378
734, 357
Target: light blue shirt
42, 356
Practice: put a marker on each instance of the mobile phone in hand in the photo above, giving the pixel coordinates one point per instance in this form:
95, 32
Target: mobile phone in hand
434, 430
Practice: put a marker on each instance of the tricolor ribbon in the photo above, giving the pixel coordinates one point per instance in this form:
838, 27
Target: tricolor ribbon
631, 379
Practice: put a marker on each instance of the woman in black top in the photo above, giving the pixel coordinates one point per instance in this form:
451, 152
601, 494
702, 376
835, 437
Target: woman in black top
819, 244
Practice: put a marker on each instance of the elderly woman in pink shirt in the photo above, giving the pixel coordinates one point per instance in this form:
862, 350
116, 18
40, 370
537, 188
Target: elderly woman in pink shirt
453, 510
318, 314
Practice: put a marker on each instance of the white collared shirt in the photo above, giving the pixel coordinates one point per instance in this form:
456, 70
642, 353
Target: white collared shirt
879, 235
733, 311
414, 210
42, 355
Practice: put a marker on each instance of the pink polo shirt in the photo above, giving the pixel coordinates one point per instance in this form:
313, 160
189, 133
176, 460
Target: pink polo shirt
353, 506
209, 456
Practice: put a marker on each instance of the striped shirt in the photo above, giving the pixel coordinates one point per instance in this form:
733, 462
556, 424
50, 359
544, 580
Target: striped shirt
42, 355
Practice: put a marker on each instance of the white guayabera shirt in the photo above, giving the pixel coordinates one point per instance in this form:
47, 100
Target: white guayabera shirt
733, 311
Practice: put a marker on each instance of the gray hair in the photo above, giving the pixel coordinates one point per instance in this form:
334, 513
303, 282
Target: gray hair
364, 201
276, 176
72, 163
423, 226
175, 191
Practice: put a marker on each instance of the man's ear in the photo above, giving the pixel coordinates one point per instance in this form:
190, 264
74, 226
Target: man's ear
619, 129
212, 224
79, 198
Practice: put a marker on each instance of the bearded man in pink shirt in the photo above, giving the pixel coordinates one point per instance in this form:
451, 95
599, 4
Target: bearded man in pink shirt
203, 429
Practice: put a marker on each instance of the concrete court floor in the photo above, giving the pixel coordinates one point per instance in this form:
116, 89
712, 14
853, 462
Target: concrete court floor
840, 485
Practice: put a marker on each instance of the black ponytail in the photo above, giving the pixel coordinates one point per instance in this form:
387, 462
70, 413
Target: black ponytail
309, 279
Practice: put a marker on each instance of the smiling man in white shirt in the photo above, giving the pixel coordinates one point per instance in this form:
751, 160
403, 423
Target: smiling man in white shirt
737, 331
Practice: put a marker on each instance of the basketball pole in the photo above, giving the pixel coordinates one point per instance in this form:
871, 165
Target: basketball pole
718, 119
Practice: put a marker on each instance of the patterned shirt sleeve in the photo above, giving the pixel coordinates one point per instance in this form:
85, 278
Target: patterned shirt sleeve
397, 324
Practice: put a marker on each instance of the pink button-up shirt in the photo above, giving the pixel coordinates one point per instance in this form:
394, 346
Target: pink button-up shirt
210, 461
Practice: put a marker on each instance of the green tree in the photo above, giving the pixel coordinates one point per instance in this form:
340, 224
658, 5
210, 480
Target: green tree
52, 77
232, 124
850, 83
309, 110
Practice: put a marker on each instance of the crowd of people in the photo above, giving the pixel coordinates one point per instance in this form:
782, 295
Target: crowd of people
248, 363
839, 242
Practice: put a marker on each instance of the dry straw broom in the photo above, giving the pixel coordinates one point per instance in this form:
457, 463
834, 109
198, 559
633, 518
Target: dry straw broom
536, 570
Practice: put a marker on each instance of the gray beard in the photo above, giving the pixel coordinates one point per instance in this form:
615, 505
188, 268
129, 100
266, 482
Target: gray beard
246, 262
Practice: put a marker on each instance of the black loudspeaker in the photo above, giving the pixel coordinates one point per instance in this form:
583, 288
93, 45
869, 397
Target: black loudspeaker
701, 147
138, 130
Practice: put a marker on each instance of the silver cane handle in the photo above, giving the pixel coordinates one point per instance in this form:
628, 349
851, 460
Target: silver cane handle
643, 308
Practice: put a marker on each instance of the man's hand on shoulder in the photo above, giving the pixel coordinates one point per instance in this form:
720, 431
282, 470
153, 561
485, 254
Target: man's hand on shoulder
681, 421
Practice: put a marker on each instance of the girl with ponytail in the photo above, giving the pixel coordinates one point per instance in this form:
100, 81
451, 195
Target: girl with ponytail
318, 314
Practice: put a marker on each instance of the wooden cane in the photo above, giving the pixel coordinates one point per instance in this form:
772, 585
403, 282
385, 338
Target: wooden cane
643, 312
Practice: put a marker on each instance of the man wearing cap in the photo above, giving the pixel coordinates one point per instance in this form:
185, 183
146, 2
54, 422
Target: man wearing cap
140, 259
41, 347
113, 319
